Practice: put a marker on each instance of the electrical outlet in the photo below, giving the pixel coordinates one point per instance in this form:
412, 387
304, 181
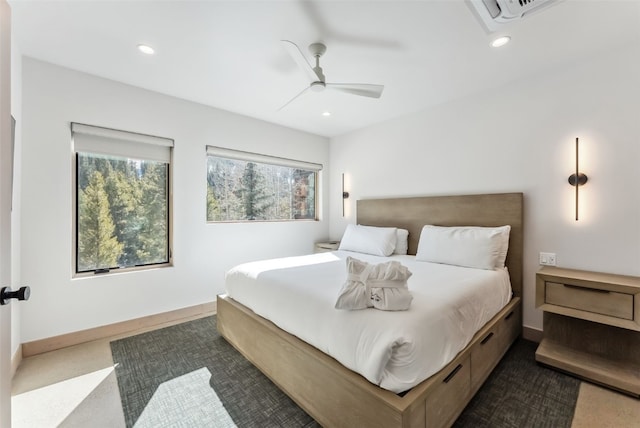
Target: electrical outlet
548, 259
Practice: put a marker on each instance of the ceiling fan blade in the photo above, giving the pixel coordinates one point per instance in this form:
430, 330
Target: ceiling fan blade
295, 53
292, 99
362, 89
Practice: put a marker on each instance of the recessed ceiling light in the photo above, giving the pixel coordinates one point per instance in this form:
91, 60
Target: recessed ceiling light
145, 49
500, 41
326, 113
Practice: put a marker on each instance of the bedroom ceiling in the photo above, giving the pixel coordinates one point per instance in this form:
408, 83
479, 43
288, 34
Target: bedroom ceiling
227, 54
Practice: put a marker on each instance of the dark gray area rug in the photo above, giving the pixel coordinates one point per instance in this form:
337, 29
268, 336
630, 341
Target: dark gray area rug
187, 375
520, 393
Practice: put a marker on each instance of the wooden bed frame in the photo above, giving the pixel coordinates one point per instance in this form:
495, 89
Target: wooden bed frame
337, 397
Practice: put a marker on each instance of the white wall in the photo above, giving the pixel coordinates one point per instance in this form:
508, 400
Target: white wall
52, 98
520, 138
16, 112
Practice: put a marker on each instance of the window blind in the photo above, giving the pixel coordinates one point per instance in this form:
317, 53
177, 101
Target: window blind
256, 157
112, 142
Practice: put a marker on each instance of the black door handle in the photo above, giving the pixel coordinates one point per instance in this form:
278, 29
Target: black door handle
6, 293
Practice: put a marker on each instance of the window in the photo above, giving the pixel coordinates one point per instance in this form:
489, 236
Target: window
244, 186
122, 199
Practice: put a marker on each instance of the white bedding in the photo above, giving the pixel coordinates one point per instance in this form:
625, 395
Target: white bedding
395, 350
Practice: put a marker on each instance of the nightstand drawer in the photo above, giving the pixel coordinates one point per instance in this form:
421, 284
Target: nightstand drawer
611, 303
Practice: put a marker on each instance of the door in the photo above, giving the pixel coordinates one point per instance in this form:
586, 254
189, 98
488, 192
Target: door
6, 172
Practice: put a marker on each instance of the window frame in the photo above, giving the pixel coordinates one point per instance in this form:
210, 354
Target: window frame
75, 204
245, 156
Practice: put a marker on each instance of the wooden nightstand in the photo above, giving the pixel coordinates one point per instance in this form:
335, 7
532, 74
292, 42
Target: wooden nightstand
323, 247
591, 326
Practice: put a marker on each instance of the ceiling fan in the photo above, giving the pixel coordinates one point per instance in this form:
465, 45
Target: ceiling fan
316, 76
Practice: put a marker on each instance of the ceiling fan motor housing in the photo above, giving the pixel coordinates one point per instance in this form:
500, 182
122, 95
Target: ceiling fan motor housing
317, 49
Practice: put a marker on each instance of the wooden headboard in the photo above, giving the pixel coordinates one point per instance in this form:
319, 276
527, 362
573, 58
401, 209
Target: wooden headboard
469, 210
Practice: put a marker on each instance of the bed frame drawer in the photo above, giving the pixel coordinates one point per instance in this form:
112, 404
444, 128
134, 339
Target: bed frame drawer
611, 303
452, 388
510, 327
484, 356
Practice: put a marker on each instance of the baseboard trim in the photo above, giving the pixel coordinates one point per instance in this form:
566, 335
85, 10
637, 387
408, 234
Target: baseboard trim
532, 334
16, 359
125, 327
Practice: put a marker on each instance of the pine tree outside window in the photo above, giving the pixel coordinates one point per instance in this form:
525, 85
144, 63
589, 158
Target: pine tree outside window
244, 186
122, 200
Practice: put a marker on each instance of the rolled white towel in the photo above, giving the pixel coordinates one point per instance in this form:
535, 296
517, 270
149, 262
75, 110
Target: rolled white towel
381, 286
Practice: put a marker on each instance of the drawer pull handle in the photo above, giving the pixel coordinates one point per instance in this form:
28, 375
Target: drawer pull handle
509, 315
486, 339
452, 374
595, 290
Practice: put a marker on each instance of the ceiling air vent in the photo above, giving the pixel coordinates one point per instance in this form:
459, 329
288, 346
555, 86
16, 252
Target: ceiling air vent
494, 14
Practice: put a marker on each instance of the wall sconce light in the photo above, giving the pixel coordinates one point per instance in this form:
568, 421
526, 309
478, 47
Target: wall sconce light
577, 179
345, 195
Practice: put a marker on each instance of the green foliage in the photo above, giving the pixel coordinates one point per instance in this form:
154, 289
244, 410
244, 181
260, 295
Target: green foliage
222, 183
124, 197
97, 246
213, 206
239, 190
254, 194
133, 200
153, 215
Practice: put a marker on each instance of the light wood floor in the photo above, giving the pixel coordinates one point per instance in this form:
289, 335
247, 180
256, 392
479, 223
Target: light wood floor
77, 387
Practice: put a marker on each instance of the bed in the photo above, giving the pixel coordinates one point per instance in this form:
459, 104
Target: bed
337, 396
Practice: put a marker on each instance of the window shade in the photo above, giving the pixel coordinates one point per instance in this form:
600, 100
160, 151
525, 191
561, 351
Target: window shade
105, 141
256, 157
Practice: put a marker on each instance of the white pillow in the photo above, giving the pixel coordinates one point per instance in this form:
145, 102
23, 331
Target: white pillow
469, 246
402, 242
379, 241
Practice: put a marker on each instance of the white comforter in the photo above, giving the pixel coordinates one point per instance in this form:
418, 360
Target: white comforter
395, 350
